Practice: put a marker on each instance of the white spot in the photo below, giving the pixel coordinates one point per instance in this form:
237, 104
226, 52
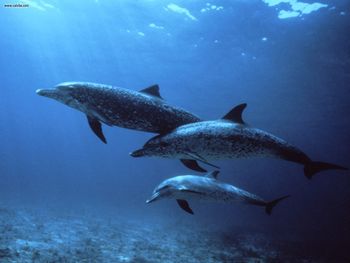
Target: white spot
305, 8
181, 10
209, 7
124, 258
275, 2
243, 54
141, 33
287, 14
342, 13
264, 39
155, 26
296, 8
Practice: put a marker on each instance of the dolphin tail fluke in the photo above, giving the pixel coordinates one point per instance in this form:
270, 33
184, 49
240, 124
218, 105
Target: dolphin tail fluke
270, 205
311, 168
96, 127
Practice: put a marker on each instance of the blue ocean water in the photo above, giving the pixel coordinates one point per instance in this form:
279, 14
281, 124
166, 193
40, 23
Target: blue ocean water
66, 197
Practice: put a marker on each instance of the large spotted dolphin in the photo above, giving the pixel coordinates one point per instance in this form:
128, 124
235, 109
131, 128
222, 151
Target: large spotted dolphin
206, 188
228, 137
143, 110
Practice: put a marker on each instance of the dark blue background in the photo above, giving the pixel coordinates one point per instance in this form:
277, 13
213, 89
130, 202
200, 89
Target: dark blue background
296, 85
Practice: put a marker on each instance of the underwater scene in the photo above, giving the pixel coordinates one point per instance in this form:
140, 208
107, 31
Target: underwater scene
175, 131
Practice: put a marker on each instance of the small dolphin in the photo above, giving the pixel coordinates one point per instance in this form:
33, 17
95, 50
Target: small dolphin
228, 137
206, 188
143, 110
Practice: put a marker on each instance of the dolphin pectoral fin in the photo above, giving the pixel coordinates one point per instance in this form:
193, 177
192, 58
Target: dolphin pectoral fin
96, 127
235, 114
273, 203
201, 159
153, 91
184, 205
310, 169
193, 165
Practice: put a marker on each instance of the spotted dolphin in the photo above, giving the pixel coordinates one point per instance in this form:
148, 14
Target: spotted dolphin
228, 137
143, 110
206, 188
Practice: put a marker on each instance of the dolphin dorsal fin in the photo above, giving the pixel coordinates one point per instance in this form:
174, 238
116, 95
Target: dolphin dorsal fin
152, 90
213, 174
235, 114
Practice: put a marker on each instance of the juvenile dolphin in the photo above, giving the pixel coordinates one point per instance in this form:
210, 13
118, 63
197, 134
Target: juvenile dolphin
206, 188
228, 137
143, 110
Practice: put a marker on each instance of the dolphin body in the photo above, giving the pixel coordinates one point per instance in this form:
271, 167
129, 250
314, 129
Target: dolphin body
206, 188
143, 110
228, 137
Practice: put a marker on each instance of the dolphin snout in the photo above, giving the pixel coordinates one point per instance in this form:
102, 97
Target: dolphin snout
40, 92
153, 198
137, 153
45, 92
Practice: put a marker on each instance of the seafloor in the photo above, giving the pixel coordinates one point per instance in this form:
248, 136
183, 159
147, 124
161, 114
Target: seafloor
32, 235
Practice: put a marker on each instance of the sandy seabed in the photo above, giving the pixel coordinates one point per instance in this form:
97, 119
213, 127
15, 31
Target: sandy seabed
34, 235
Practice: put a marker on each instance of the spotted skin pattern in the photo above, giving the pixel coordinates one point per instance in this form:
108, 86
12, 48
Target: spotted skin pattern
192, 187
121, 107
221, 139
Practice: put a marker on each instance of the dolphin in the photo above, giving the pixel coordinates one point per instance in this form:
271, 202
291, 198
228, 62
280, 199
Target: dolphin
207, 188
143, 110
228, 137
